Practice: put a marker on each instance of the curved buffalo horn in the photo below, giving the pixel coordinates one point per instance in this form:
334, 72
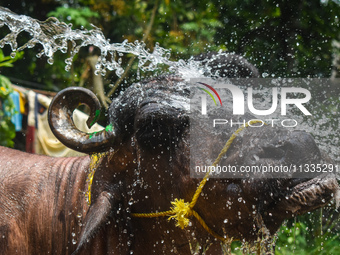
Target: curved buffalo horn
62, 125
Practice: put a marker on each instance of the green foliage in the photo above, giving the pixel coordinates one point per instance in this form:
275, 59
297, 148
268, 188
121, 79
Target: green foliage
286, 38
311, 234
7, 129
6, 61
80, 17
187, 28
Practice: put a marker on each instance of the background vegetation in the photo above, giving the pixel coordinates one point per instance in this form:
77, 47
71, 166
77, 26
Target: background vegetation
292, 38
7, 109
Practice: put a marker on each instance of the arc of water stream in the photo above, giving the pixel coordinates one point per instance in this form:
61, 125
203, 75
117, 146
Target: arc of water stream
55, 36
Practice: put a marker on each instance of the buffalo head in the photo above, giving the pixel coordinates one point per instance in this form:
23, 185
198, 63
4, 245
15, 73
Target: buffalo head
146, 166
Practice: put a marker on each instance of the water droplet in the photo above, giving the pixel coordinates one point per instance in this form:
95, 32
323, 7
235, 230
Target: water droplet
50, 61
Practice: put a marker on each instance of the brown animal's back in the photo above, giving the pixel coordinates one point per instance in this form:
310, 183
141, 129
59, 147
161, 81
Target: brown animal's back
42, 202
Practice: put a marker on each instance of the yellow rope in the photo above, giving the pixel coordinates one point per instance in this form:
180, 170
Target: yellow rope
152, 215
95, 157
181, 211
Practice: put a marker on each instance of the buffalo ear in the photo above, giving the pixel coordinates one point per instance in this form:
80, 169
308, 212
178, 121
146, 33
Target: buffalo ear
99, 214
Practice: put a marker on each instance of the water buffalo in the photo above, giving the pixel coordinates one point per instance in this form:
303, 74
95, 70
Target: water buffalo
143, 166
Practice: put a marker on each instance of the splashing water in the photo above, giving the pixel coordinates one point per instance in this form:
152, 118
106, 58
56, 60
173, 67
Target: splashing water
55, 36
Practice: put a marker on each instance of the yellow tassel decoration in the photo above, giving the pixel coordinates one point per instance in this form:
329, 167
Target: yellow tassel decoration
181, 211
